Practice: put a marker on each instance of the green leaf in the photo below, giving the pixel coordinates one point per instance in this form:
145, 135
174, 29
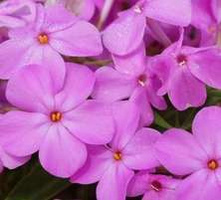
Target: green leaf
160, 121
37, 185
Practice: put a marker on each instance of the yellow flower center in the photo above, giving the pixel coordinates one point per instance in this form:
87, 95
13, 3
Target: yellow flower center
117, 156
213, 164
43, 38
55, 116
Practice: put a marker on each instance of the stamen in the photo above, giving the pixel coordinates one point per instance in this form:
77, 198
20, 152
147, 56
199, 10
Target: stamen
43, 38
156, 185
213, 164
55, 116
117, 156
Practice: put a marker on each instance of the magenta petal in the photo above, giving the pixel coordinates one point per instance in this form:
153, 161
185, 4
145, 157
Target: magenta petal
126, 115
98, 161
91, 122
81, 39
177, 13
133, 64
113, 184
206, 128
112, 85
11, 162
37, 95
139, 153
179, 152
201, 185
61, 154
22, 132
74, 91
185, 90
205, 65
125, 34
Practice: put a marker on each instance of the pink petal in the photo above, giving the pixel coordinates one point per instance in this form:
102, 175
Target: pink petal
17, 50
113, 184
179, 152
163, 67
54, 63
125, 34
152, 195
205, 65
30, 52
22, 132
54, 22
84, 9
37, 95
206, 128
139, 97
201, 185
185, 90
74, 91
16, 14
98, 162
91, 122
202, 17
133, 64
175, 13
139, 153
81, 39
12, 162
61, 154
138, 184
11, 22
112, 85
126, 115
152, 89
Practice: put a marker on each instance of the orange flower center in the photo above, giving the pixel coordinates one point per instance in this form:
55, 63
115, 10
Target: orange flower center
43, 38
117, 156
213, 164
55, 116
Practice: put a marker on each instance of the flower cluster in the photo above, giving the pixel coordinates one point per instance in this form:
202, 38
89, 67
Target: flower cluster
81, 82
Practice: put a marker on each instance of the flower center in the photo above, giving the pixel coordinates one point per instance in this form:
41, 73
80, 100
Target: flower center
156, 185
213, 164
55, 116
142, 79
43, 38
181, 59
117, 156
